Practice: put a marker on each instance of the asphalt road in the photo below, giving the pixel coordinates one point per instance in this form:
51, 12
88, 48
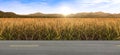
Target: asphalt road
59, 47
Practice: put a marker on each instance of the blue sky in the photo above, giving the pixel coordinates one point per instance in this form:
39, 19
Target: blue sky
59, 6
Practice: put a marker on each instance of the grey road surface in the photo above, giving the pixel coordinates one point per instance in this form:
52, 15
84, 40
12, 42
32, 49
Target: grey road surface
59, 47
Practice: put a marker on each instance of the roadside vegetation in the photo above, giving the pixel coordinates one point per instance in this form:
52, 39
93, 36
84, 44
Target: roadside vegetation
60, 29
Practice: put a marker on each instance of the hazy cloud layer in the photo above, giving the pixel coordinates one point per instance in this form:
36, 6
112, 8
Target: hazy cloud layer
60, 6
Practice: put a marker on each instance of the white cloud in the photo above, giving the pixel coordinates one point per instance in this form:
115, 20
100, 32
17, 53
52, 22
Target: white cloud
115, 1
68, 7
21, 8
92, 1
101, 1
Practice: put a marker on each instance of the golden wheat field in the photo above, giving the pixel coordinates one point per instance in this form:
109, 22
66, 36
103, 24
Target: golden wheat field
59, 28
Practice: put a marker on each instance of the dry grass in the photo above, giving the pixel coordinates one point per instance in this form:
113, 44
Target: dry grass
59, 29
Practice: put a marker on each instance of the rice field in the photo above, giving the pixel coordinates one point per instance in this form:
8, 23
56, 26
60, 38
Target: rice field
59, 29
